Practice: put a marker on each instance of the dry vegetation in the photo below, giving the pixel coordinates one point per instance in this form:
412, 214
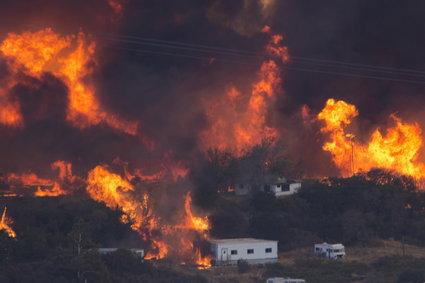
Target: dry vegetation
367, 254
362, 253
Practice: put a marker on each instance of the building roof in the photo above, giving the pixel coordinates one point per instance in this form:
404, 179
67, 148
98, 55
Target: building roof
331, 245
239, 241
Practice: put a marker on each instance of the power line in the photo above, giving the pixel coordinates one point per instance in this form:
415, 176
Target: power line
285, 67
214, 50
360, 65
355, 75
225, 51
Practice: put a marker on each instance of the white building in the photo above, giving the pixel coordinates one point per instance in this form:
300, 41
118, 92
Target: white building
230, 251
279, 187
284, 280
283, 189
333, 251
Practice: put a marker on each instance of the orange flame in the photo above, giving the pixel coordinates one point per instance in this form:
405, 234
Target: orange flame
5, 225
68, 58
53, 192
199, 224
110, 188
115, 191
45, 187
165, 239
193, 222
29, 179
9, 111
397, 150
239, 121
65, 170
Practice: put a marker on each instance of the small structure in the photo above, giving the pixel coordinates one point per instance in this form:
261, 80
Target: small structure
253, 251
277, 187
284, 280
282, 189
334, 251
140, 253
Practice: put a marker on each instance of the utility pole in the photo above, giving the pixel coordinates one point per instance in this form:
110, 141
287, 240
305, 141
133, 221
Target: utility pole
351, 138
352, 157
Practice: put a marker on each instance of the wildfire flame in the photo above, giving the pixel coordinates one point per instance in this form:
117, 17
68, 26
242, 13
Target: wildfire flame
65, 170
397, 150
196, 223
9, 110
67, 58
113, 190
235, 129
201, 225
53, 192
45, 187
116, 191
5, 224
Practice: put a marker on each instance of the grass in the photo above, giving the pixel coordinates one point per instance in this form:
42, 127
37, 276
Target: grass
374, 262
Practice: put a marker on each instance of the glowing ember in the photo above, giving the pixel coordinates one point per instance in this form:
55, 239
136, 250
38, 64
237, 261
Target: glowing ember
397, 150
236, 130
68, 58
5, 225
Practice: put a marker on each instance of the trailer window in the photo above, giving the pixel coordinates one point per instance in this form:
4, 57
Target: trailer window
234, 252
250, 251
268, 250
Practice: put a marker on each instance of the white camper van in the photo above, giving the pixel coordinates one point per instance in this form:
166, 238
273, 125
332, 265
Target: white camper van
334, 251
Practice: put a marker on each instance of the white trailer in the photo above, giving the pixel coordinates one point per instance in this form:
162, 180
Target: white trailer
334, 251
284, 189
253, 251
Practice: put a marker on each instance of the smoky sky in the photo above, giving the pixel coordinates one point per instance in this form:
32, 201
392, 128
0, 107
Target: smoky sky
166, 93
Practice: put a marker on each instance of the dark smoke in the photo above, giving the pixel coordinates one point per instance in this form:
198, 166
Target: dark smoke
166, 93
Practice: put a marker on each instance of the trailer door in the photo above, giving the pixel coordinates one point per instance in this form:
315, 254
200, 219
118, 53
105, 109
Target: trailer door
224, 254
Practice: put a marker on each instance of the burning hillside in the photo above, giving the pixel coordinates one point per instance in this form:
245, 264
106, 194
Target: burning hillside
91, 108
6, 224
397, 150
240, 121
67, 58
165, 239
71, 59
